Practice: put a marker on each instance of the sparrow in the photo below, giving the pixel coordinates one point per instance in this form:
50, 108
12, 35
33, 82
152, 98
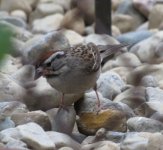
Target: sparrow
75, 69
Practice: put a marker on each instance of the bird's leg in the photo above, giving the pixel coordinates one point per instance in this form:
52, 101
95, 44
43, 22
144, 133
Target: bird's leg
98, 99
62, 101
62, 104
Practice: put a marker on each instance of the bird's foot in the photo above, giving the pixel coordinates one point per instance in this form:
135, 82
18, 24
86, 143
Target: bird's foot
98, 108
64, 107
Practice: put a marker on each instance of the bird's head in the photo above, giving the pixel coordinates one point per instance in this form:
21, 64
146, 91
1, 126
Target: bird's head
44, 66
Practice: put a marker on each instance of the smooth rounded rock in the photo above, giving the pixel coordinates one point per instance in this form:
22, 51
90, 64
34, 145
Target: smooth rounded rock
102, 145
73, 20
64, 120
160, 84
124, 22
47, 24
66, 4
159, 50
24, 76
160, 27
6, 123
134, 37
102, 134
148, 109
78, 137
9, 65
157, 116
46, 9
87, 123
3, 13
19, 33
10, 133
87, 9
134, 77
16, 4
111, 116
17, 144
149, 81
133, 97
144, 6
102, 39
35, 136
62, 140
122, 71
10, 108
73, 37
12, 138
155, 16
38, 117
110, 84
148, 47
127, 60
88, 103
66, 148
134, 141
19, 14
115, 4
91, 30
15, 21
154, 94
155, 141
143, 27
108, 65
10, 90
143, 124
17, 46
115, 31
115, 136
126, 7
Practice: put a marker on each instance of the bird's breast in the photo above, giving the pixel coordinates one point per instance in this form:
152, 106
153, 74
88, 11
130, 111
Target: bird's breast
74, 81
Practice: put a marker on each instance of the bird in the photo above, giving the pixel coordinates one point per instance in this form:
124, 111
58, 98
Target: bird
75, 69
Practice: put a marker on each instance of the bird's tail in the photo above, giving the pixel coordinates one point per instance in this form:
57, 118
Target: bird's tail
107, 50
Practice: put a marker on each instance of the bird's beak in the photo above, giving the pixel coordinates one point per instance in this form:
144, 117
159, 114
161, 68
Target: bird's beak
38, 73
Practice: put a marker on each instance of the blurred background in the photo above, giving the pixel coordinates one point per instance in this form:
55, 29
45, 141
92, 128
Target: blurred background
112, 17
130, 84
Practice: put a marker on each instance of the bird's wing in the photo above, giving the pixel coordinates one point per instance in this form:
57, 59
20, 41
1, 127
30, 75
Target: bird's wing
107, 50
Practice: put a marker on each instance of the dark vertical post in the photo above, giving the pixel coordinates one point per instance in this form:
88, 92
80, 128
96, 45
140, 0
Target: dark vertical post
103, 17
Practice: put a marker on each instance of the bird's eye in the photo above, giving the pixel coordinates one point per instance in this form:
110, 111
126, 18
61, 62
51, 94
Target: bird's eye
48, 64
52, 58
58, 56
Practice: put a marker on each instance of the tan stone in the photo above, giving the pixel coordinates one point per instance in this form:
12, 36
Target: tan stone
144, 6
73, 20
156, 16
124, 22
102, 145
110, 119
38, 117
47, 24
20, 14
73, 37
133, 97
10, 5
135, 76
155, 142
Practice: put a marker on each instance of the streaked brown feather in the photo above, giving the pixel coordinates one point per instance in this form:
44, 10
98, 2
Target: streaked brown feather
107, 50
